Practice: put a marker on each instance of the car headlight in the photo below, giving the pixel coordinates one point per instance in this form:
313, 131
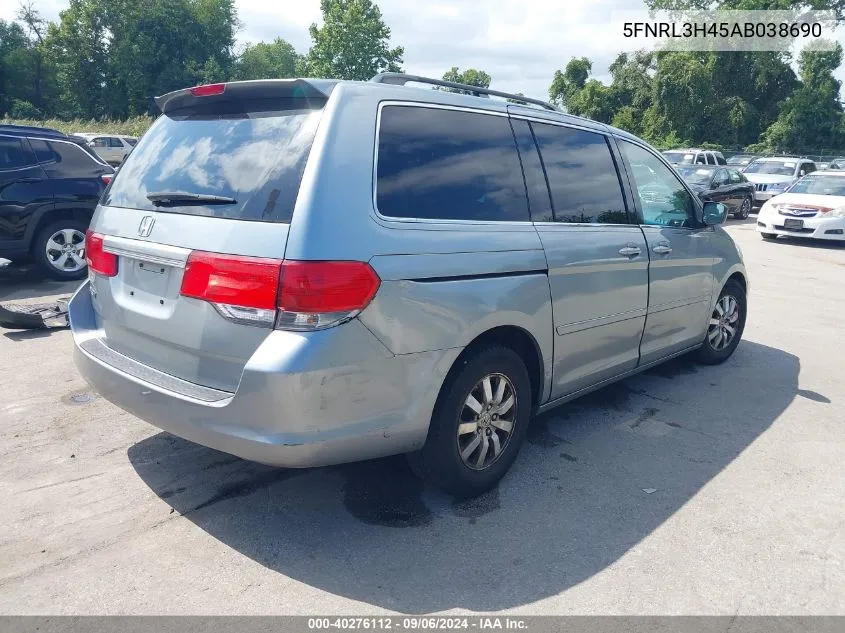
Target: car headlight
836, 213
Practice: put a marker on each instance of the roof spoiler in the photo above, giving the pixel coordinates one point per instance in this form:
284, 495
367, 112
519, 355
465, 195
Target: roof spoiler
233, 91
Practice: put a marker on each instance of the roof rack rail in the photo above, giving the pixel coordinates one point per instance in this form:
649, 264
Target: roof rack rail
400, 79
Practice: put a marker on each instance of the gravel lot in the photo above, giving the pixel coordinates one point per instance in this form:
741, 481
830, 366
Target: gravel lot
103, 514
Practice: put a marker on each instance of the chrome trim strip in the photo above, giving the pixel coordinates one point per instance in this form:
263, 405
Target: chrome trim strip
146, 251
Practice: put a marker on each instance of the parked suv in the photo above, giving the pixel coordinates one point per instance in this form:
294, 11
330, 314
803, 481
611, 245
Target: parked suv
775, 174
694, 157
49, 187
310, 272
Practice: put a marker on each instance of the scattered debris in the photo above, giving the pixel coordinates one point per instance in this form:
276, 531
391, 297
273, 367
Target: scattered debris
73, 456
37, 316
649, 491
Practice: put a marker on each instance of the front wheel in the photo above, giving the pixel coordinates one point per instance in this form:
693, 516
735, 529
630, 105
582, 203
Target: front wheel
744, 209
478, 424
726, 325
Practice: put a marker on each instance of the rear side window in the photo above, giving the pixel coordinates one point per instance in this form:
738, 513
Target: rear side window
250, 151
65, 159
582, 175
438, 164
736, 177
115, 142
14, 154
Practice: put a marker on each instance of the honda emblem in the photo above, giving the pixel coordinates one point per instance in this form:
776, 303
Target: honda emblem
146, 226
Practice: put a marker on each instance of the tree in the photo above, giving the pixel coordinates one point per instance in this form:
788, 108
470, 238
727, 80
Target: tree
114, 56
812, 117
352, 43
267, 60
37, 28
565, 84
594, 101
470, 76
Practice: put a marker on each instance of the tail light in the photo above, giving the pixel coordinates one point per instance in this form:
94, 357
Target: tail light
106, 178
308, 295
317, 295
98, 260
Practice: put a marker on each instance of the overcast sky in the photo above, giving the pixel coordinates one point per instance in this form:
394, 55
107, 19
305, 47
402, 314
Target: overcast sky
520, 44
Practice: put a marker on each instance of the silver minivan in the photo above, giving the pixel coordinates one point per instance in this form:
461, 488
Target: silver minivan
310, 272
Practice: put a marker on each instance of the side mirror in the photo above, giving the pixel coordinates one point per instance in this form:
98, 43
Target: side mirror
714, 213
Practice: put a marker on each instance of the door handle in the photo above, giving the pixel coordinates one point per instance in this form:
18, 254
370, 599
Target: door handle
662, 249
630, 251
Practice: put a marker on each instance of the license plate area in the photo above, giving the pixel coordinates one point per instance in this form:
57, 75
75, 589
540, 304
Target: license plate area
792, 223
148, 287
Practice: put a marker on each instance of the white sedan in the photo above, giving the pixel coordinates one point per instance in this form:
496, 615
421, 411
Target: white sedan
813, 207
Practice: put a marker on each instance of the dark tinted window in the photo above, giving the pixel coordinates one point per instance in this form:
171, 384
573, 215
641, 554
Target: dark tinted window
721, 159
115, 142
131, 141
535, 180
582, 175
14, 154
663, 199
65, 159
251, 151
447, 164
721, 178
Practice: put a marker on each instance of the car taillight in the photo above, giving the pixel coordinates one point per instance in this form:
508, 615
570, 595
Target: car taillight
308, 295
317, 295
106, 178
98, 260
207, 90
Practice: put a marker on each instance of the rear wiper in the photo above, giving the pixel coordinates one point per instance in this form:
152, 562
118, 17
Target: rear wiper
172, 198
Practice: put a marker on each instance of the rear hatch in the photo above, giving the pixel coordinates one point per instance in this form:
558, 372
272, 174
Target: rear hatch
211, 187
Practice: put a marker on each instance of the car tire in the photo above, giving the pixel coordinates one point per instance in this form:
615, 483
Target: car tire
769, 237
744, 209
48, 257
727, 320
454, 458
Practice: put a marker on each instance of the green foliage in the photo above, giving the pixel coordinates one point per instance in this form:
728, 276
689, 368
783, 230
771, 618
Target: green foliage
471, 77
352, 43
133, 126
812, 116
267, 60
567, 83
20, 109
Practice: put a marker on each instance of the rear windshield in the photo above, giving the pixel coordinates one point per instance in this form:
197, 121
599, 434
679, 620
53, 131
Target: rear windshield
253, 152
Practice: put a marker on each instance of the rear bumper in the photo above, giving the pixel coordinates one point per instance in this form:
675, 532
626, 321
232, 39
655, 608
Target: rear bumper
304, 400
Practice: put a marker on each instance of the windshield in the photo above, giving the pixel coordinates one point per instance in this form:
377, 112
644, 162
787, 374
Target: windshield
679, 158
696, 175
253, 153
740, 160
775, 168
820, 185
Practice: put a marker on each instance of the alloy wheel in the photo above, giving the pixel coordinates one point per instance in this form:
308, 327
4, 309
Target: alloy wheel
723, 323
66, 250
487, 421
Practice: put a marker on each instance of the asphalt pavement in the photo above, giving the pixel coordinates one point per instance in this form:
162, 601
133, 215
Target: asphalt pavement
684, 490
